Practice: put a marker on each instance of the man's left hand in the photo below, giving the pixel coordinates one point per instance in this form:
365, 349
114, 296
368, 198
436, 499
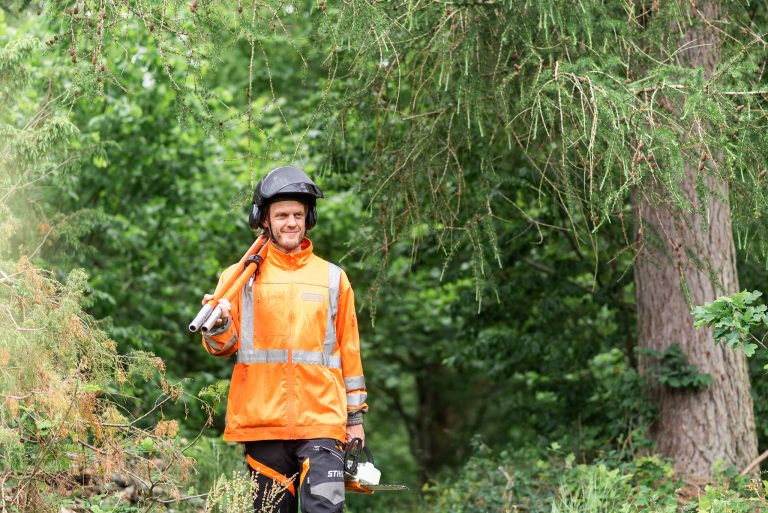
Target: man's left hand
355, 431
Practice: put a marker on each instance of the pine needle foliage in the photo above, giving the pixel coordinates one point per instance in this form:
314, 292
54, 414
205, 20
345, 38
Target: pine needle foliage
449, 107
64, 430
192, 37
68, 430
32, 139
591, 94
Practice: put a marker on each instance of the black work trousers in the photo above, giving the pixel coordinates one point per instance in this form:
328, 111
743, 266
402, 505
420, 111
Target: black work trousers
291, 471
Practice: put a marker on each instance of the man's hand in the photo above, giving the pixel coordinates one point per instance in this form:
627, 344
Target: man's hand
355, 431
223, 304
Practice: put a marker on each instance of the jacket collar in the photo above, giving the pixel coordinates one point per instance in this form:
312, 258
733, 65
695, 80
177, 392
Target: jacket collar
290, 261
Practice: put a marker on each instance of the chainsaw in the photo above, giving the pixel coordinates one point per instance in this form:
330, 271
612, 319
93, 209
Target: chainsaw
362, 476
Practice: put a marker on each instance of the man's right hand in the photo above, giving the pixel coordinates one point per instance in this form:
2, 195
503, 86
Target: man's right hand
223, 304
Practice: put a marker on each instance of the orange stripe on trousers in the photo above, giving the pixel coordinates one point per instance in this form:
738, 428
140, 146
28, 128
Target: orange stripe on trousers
272, 474
304, 470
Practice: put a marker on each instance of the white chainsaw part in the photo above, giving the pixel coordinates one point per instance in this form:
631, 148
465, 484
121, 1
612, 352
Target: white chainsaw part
367, 473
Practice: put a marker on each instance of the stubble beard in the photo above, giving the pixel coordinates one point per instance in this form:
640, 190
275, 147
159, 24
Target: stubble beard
289, 244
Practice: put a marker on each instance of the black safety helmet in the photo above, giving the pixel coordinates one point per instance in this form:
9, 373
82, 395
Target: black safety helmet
284, 183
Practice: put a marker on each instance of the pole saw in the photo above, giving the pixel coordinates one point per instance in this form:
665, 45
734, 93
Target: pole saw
363, 477
211, 311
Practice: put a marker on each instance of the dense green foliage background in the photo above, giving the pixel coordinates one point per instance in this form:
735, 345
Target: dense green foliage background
501, 363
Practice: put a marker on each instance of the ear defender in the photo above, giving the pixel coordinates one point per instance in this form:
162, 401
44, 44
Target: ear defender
311, 217
253, 218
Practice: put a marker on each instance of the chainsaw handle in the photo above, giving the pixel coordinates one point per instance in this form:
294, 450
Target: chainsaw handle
352, 455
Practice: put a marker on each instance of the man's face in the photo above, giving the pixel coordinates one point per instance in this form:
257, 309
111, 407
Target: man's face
287, 222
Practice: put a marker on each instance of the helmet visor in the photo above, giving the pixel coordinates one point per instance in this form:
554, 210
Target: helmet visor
289, 180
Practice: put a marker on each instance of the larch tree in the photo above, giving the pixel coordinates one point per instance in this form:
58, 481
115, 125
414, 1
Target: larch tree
648, 115
693, 260
645, 114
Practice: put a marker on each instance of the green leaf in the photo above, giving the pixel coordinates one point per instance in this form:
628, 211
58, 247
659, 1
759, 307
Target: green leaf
43, 424
147, 444
99, 162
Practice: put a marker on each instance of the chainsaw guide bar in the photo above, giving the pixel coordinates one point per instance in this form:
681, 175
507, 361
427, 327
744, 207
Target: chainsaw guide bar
355, 486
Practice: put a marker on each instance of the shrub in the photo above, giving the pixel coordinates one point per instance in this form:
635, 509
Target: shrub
507, 482
66, 427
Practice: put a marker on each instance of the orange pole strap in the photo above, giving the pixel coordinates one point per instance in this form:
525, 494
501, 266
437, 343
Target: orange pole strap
235, 289
227, 285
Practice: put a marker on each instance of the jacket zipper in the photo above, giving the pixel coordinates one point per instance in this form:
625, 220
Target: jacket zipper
291, 377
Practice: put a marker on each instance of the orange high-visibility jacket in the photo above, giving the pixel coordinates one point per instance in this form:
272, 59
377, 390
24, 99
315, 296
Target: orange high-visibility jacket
298, 373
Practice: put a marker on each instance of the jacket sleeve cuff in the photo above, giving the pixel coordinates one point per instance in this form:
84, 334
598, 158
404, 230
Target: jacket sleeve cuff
355, 418
218, 329
216, 341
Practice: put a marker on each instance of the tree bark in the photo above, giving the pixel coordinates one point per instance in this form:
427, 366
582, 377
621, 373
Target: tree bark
697, 429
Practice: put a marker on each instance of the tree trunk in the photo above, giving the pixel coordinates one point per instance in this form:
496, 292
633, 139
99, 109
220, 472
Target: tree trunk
695, 428
437, 423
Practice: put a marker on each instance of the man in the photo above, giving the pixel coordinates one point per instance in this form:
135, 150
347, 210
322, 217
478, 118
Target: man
297, 390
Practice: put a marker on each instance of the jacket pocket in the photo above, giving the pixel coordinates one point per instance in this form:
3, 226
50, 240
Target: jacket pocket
258, 397
319, 396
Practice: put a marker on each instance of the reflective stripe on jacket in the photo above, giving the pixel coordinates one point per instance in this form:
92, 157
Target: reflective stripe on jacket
298, 373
